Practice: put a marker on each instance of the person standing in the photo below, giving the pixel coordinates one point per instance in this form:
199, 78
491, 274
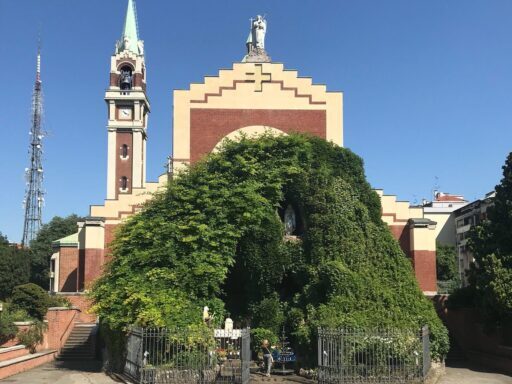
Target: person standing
267, 357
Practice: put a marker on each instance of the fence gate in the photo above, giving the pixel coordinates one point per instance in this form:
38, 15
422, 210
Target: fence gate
246, 356
134, 353
164, 356
347, 356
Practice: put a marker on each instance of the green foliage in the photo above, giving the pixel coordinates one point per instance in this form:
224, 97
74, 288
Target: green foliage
33, 336
269, 314
462, 298
491, 243
446, 262
59, 301
7, 328
214, 237
41, 247
32, 299
8, 316
14, 267
260, 334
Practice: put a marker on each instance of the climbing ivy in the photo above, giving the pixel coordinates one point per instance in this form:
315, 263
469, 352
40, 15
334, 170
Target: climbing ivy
215, 237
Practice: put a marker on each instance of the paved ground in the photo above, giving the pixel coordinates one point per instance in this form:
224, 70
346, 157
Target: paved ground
80, 372
465, 374
259, 378
89, 373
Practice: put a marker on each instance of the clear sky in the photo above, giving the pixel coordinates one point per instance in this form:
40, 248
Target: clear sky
427, 85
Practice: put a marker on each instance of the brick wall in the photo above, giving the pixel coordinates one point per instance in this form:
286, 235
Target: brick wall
484, 348
81, 301
26, 365
6, 354
424, 264
209, 126
401, 234
60, 323
68, 269
93, 266
124, 167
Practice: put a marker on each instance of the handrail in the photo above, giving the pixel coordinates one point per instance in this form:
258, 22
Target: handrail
66, 330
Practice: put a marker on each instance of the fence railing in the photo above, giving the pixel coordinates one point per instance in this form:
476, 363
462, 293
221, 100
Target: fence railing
164, 356
372, 356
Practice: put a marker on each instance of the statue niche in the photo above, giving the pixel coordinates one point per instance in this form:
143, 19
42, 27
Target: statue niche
292, 221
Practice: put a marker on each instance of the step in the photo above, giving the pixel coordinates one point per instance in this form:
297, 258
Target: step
81, 343
78, 341
23, 363
76, 357
12, 352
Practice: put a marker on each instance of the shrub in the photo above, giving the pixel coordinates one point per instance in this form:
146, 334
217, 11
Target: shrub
462, 298
7, 328
268, 314
33, 336
59, 301
31, 298
260, 334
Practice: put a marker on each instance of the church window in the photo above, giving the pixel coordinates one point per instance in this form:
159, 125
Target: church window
124, 151
124, 183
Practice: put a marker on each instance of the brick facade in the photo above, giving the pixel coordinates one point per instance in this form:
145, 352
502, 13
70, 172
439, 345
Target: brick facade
401, 234
124, 167
68, 273
81, 301
208, 126
424, 264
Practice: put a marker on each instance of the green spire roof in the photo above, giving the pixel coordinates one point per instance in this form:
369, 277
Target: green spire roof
130, 37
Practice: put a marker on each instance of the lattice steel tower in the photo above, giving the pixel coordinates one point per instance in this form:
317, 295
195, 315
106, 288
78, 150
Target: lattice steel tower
34, 195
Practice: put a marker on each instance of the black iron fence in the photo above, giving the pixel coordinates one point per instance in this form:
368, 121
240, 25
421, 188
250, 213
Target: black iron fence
347, 356
164, 356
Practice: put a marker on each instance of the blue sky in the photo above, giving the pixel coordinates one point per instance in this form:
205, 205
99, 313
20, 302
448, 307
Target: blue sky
427, 85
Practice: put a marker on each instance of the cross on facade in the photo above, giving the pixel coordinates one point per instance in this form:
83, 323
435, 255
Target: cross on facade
258, 77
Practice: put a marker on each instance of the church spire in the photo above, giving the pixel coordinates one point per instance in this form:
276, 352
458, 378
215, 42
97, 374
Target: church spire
130, 37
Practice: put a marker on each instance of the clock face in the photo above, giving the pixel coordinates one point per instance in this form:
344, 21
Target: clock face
125, 113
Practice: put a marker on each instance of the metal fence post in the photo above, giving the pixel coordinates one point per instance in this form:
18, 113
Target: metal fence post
426, 350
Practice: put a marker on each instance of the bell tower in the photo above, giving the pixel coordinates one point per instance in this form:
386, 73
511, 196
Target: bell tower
128, 109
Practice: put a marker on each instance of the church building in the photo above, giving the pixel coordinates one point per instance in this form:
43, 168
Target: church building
254, 96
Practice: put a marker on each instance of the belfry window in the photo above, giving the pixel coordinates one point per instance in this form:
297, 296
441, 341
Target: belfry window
124, 183
124, 151
126, 78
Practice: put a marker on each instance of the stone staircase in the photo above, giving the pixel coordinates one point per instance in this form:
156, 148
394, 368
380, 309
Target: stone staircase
81, 343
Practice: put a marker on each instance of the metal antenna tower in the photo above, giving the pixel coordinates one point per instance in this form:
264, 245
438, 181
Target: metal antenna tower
34, 195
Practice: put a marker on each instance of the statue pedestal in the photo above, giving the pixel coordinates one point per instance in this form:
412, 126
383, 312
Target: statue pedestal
257, 55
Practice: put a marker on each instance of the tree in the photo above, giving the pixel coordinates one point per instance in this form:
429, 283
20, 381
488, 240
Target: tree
31, 298
446, 262
41, 247
216, 234
14, 267
491, 243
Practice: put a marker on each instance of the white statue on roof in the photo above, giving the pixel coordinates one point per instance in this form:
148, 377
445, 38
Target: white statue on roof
256, 42
259, 29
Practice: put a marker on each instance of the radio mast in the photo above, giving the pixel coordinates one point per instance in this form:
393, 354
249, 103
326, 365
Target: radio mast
34, 195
